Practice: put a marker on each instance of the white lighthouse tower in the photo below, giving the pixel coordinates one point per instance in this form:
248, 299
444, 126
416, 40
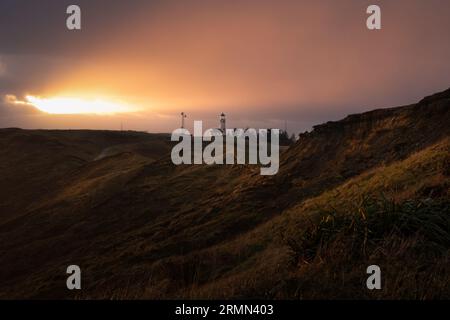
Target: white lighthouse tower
222, 123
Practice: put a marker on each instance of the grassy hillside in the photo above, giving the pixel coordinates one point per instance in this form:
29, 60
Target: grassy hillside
369, 189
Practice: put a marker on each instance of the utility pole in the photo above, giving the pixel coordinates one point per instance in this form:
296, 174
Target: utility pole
183, 116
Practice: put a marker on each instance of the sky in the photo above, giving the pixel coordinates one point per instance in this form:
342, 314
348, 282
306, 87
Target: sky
263, 63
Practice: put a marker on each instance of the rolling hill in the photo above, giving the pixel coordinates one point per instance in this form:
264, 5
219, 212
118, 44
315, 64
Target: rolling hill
372, 188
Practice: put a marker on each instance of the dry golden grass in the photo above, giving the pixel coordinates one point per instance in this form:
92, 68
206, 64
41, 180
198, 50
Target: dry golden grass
370, 189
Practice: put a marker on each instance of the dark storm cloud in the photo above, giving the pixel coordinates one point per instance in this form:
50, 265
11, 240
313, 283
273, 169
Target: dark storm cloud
38, 27
257, 60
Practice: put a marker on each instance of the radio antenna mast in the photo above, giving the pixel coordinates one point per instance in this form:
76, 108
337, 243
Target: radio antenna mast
183, 116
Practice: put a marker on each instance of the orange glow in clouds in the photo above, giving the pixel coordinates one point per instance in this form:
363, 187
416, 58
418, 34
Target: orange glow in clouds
65, 105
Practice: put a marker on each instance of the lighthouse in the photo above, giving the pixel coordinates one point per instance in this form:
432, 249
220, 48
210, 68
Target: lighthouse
222, 123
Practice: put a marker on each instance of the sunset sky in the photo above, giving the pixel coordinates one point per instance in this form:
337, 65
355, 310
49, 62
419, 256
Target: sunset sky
260, 62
